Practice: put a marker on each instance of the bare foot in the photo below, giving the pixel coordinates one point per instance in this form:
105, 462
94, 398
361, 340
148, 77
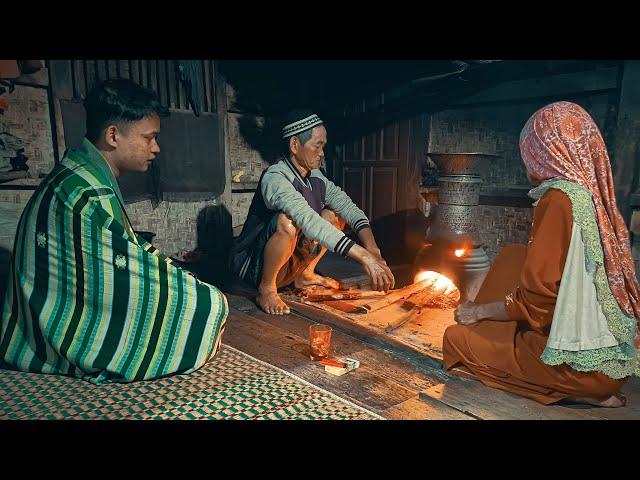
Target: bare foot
306, 280
270, 302
614, 401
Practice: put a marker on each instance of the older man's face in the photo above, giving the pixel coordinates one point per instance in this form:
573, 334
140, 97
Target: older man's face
310, 154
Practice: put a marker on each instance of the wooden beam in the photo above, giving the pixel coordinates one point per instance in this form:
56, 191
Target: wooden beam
625, 152
550, 86
61, 83
424, 408
508, 196
520, 191
35, 79
12, 175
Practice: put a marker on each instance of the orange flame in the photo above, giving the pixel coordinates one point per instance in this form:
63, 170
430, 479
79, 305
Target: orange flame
459, 252
439, 282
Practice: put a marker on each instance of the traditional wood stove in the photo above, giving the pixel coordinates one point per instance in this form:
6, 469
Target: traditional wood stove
453, 248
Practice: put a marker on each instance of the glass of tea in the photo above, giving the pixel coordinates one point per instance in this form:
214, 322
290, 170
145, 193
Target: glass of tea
319, 341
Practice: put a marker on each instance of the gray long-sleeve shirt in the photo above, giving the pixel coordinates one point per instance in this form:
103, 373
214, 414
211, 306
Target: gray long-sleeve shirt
283, 189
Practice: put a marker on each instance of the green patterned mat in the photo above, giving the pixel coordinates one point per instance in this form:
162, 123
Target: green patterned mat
233, 386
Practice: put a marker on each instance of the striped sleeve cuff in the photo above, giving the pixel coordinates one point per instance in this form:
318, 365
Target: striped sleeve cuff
360, 224
343, 246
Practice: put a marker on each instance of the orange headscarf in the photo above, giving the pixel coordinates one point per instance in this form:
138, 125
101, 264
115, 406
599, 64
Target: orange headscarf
562, 140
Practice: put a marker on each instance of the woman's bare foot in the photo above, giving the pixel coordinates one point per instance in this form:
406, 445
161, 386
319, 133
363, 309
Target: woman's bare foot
270, 302
614, 401
308, 279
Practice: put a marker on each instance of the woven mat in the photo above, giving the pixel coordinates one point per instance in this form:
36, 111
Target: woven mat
232, 386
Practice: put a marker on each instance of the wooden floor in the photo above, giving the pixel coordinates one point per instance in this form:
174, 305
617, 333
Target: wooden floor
395, 386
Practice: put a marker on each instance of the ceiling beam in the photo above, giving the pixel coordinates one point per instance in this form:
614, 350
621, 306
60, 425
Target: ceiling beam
547, 86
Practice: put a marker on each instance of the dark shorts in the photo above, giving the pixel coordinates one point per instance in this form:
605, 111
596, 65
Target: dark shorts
247, 265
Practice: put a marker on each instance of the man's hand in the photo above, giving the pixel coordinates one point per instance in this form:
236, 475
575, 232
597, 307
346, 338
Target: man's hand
375, 251
379, 273
467, 314
369, 243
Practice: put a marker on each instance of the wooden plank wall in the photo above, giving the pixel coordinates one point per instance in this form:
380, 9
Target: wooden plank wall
77, 77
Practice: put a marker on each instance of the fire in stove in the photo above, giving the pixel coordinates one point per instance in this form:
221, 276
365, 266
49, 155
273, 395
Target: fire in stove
465, 266
445, 293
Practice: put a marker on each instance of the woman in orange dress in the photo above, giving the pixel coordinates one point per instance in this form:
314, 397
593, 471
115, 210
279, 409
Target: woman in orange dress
557, 319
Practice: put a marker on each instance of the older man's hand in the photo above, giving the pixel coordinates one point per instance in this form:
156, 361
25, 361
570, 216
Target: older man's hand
375, 251
380, 274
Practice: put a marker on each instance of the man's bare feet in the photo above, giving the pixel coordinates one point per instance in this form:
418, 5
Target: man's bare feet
308, 279
614, 401
270, 302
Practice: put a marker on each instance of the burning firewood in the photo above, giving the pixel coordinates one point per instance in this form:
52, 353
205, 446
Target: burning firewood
447, 293
399, 294
443, 301
433, 291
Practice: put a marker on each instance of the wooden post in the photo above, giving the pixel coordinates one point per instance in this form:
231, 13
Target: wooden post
221, 109
60, 87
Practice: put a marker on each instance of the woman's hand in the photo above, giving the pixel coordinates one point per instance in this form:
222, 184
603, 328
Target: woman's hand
467, 314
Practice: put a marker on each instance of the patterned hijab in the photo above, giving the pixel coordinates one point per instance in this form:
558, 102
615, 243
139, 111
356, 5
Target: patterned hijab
562, 140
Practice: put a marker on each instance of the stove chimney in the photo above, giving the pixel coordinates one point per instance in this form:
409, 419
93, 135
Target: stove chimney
453, 247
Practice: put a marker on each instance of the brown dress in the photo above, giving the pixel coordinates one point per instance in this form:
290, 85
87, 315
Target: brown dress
506, 354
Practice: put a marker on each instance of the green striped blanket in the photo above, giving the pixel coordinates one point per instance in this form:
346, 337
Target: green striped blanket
87, 297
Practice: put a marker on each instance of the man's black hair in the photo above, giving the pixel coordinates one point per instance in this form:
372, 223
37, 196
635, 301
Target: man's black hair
118, 102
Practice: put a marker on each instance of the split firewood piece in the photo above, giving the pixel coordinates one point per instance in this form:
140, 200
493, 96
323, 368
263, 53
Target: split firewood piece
349, 295
345, 307
412, 312
399, 294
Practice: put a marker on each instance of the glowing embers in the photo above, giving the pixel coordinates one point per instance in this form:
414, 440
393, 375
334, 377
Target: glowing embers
447, 294
459, 252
